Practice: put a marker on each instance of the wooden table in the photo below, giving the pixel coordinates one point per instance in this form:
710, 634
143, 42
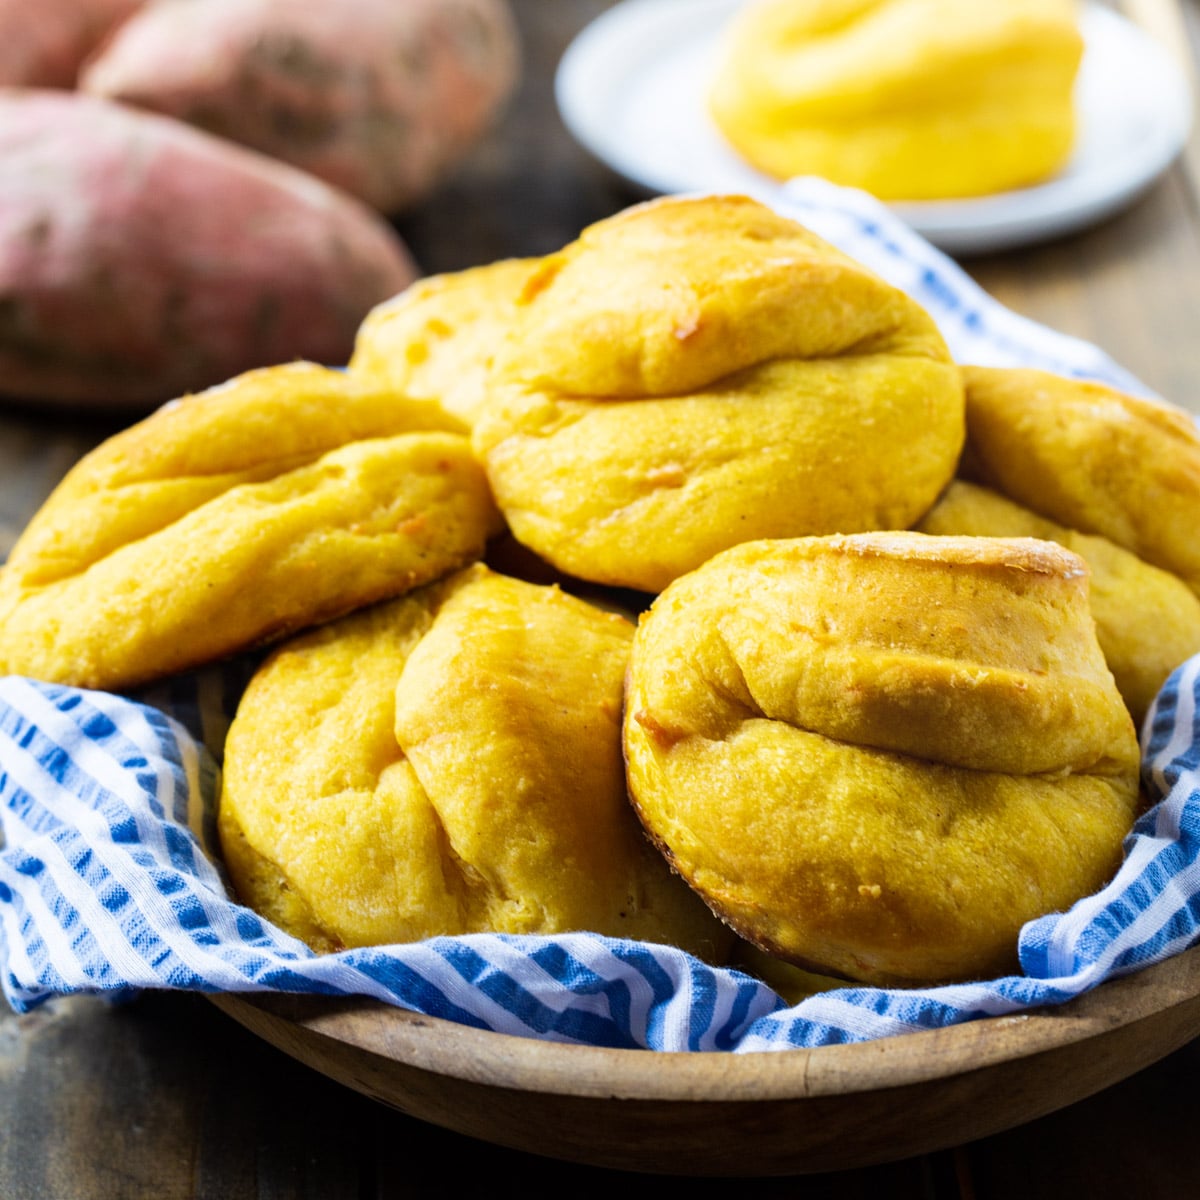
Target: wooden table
166, 1097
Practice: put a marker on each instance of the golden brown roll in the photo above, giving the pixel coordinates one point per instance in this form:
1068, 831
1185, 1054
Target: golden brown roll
448, 763
694, 373
1147, 620
909, 99
435, 340
284, 498
877, 756
1091, 458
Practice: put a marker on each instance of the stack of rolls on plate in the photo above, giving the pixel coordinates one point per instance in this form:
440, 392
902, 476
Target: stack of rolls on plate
877, 711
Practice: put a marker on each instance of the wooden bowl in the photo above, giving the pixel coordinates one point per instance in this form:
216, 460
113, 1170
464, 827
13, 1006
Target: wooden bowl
778, 1113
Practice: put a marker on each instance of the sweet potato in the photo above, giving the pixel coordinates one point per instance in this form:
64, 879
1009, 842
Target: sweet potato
141, 259
379, 97
44, 42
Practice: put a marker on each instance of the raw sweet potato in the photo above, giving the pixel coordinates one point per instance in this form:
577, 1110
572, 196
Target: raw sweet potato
43, 42
379, 97
141, 259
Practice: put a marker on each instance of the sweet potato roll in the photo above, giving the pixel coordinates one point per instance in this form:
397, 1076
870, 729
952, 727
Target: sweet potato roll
287, 497
1147, 620
448, 763
877, 756
908, 99
693, 373
435, 341
1090, 457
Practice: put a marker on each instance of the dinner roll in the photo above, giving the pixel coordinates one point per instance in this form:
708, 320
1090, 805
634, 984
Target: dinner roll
908, 99
1147, 620
281, 499
435, 340
1091, 458
877, 756
697, 372
448, 763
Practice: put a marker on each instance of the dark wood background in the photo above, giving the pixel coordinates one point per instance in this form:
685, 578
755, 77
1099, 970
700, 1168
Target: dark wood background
166, 1097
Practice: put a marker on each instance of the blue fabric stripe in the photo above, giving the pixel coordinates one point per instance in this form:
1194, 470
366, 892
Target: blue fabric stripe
529, 1010
413, 989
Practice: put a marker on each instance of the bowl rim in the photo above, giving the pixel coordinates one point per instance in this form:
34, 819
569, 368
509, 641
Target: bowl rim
475, 1055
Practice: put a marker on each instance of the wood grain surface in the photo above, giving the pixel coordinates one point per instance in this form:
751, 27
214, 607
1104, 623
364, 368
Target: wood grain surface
168, 1097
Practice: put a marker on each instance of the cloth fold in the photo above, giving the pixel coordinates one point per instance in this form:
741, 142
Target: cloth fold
110, 878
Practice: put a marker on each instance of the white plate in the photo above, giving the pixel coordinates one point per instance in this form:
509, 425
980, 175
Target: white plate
632, 88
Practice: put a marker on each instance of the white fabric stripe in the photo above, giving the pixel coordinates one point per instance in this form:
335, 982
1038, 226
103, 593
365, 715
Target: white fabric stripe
96, 759
329, 971
19, 961
537, 981
971, 997
1148, 922
507, 960
831, 1009
720, 1016
678, 1022
194, 800
154, 907
102, 925
420, 960
93, 829
135, 725
441, 975
600, 958
674, 1018
90, 758
674, 1025
1144, 851
51, 797
1061, 951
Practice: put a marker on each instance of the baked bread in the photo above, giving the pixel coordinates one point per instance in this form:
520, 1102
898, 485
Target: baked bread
1147, 620
279, 500
435, 340
908, 99
1091, 458
697, 372
877, 756
448, 763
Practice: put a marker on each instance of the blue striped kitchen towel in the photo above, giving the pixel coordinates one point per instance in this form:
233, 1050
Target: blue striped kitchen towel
109, 883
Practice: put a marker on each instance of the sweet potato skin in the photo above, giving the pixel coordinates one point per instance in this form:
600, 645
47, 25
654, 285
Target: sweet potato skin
141, 259
379, 97
45, 42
